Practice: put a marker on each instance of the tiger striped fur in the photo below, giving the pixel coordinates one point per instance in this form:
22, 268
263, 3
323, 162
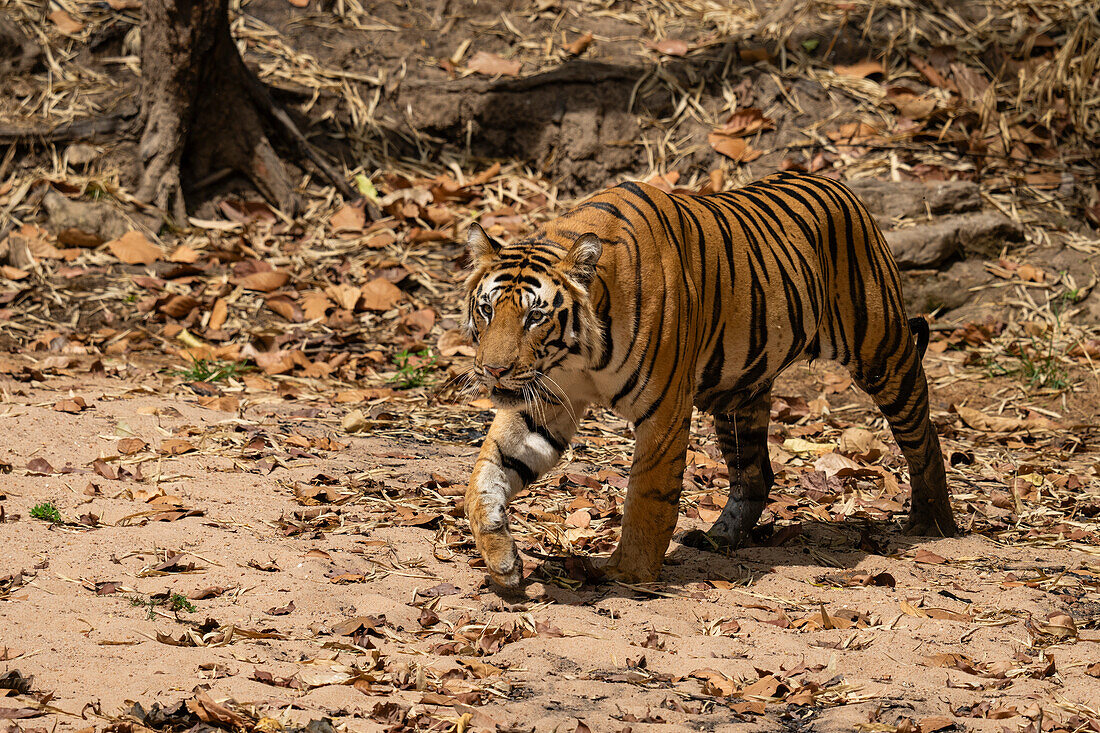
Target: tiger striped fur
651, 303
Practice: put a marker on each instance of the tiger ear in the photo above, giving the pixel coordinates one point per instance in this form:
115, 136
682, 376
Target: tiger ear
580, 262
481, 247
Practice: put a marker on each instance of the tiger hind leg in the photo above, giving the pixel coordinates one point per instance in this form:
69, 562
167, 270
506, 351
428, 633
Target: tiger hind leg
743, 439
897, 384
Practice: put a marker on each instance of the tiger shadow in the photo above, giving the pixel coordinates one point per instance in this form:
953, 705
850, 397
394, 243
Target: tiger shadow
833, 546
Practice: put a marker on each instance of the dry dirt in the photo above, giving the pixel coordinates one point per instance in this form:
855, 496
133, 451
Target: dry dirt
660, 657
179, 554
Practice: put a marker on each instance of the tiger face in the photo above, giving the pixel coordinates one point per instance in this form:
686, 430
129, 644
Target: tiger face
527, 310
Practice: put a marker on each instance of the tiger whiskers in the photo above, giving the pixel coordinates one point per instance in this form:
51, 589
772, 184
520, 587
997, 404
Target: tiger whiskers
463, 384
558, 393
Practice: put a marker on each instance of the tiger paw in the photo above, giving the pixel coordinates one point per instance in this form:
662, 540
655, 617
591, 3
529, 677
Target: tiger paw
930, 520
708, 542
624, 571
930, 525
501, 557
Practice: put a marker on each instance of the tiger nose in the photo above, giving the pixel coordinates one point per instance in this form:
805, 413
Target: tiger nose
496, 371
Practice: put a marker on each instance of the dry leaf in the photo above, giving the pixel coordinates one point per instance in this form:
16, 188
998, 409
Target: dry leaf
175, 447
733, 147
746, 121
861, 70
491, 64
454, 342
345, 296
577, 47
834, 463
184, 255
75, 405
315, 305
670, 47
381, 295
853, 132
218, 313
928, 558
134, 249
66, 23
998, 423
264, 282
348, 218
130, 446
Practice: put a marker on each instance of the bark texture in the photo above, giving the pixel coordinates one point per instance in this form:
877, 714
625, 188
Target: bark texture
202, 109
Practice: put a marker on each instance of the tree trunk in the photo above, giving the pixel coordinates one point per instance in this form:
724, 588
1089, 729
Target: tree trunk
202, 110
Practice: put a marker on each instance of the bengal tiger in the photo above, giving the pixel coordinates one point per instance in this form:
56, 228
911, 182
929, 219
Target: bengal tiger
651, 303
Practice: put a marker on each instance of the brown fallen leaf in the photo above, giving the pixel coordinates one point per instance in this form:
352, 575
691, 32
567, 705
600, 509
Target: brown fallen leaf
357, 625
861, 70
480, 670
184, 255
999, 423
381, 295
74, 405
175, 447
264, 282
209, 711
454, 342
578, 46
226, 403
833, 463
130, 446
134, 249
66, 23
929, 558
715, 683
491, 64
345, 296
218, 313
39, 467
933, 723
348, 218
853, 132
670, 47
733, 147
179, 306
744, 122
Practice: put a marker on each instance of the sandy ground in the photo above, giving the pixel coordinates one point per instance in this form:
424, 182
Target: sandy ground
441, 650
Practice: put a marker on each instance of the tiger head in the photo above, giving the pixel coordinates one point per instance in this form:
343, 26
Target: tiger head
528, 311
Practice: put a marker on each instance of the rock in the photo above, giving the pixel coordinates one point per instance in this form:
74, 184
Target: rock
16, 251
97, 218
932, 244
574, 122
354, 422
19, 54
890, 200
927, 291
81, 153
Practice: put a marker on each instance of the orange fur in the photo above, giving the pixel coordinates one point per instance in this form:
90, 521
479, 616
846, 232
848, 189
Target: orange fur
653, 303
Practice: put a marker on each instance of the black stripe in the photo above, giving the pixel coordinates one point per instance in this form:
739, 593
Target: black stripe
539, 430
521, 469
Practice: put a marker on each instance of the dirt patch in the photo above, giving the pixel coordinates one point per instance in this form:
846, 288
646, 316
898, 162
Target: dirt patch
195, 537
272, 575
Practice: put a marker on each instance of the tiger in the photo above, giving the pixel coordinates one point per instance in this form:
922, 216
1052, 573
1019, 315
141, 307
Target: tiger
654, 303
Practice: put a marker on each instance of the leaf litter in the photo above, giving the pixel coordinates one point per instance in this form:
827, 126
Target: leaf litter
308, 318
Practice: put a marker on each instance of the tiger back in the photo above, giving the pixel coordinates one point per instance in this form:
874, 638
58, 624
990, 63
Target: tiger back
651, 303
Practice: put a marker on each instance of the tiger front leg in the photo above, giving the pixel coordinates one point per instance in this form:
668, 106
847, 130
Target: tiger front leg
652, 500
518, 449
